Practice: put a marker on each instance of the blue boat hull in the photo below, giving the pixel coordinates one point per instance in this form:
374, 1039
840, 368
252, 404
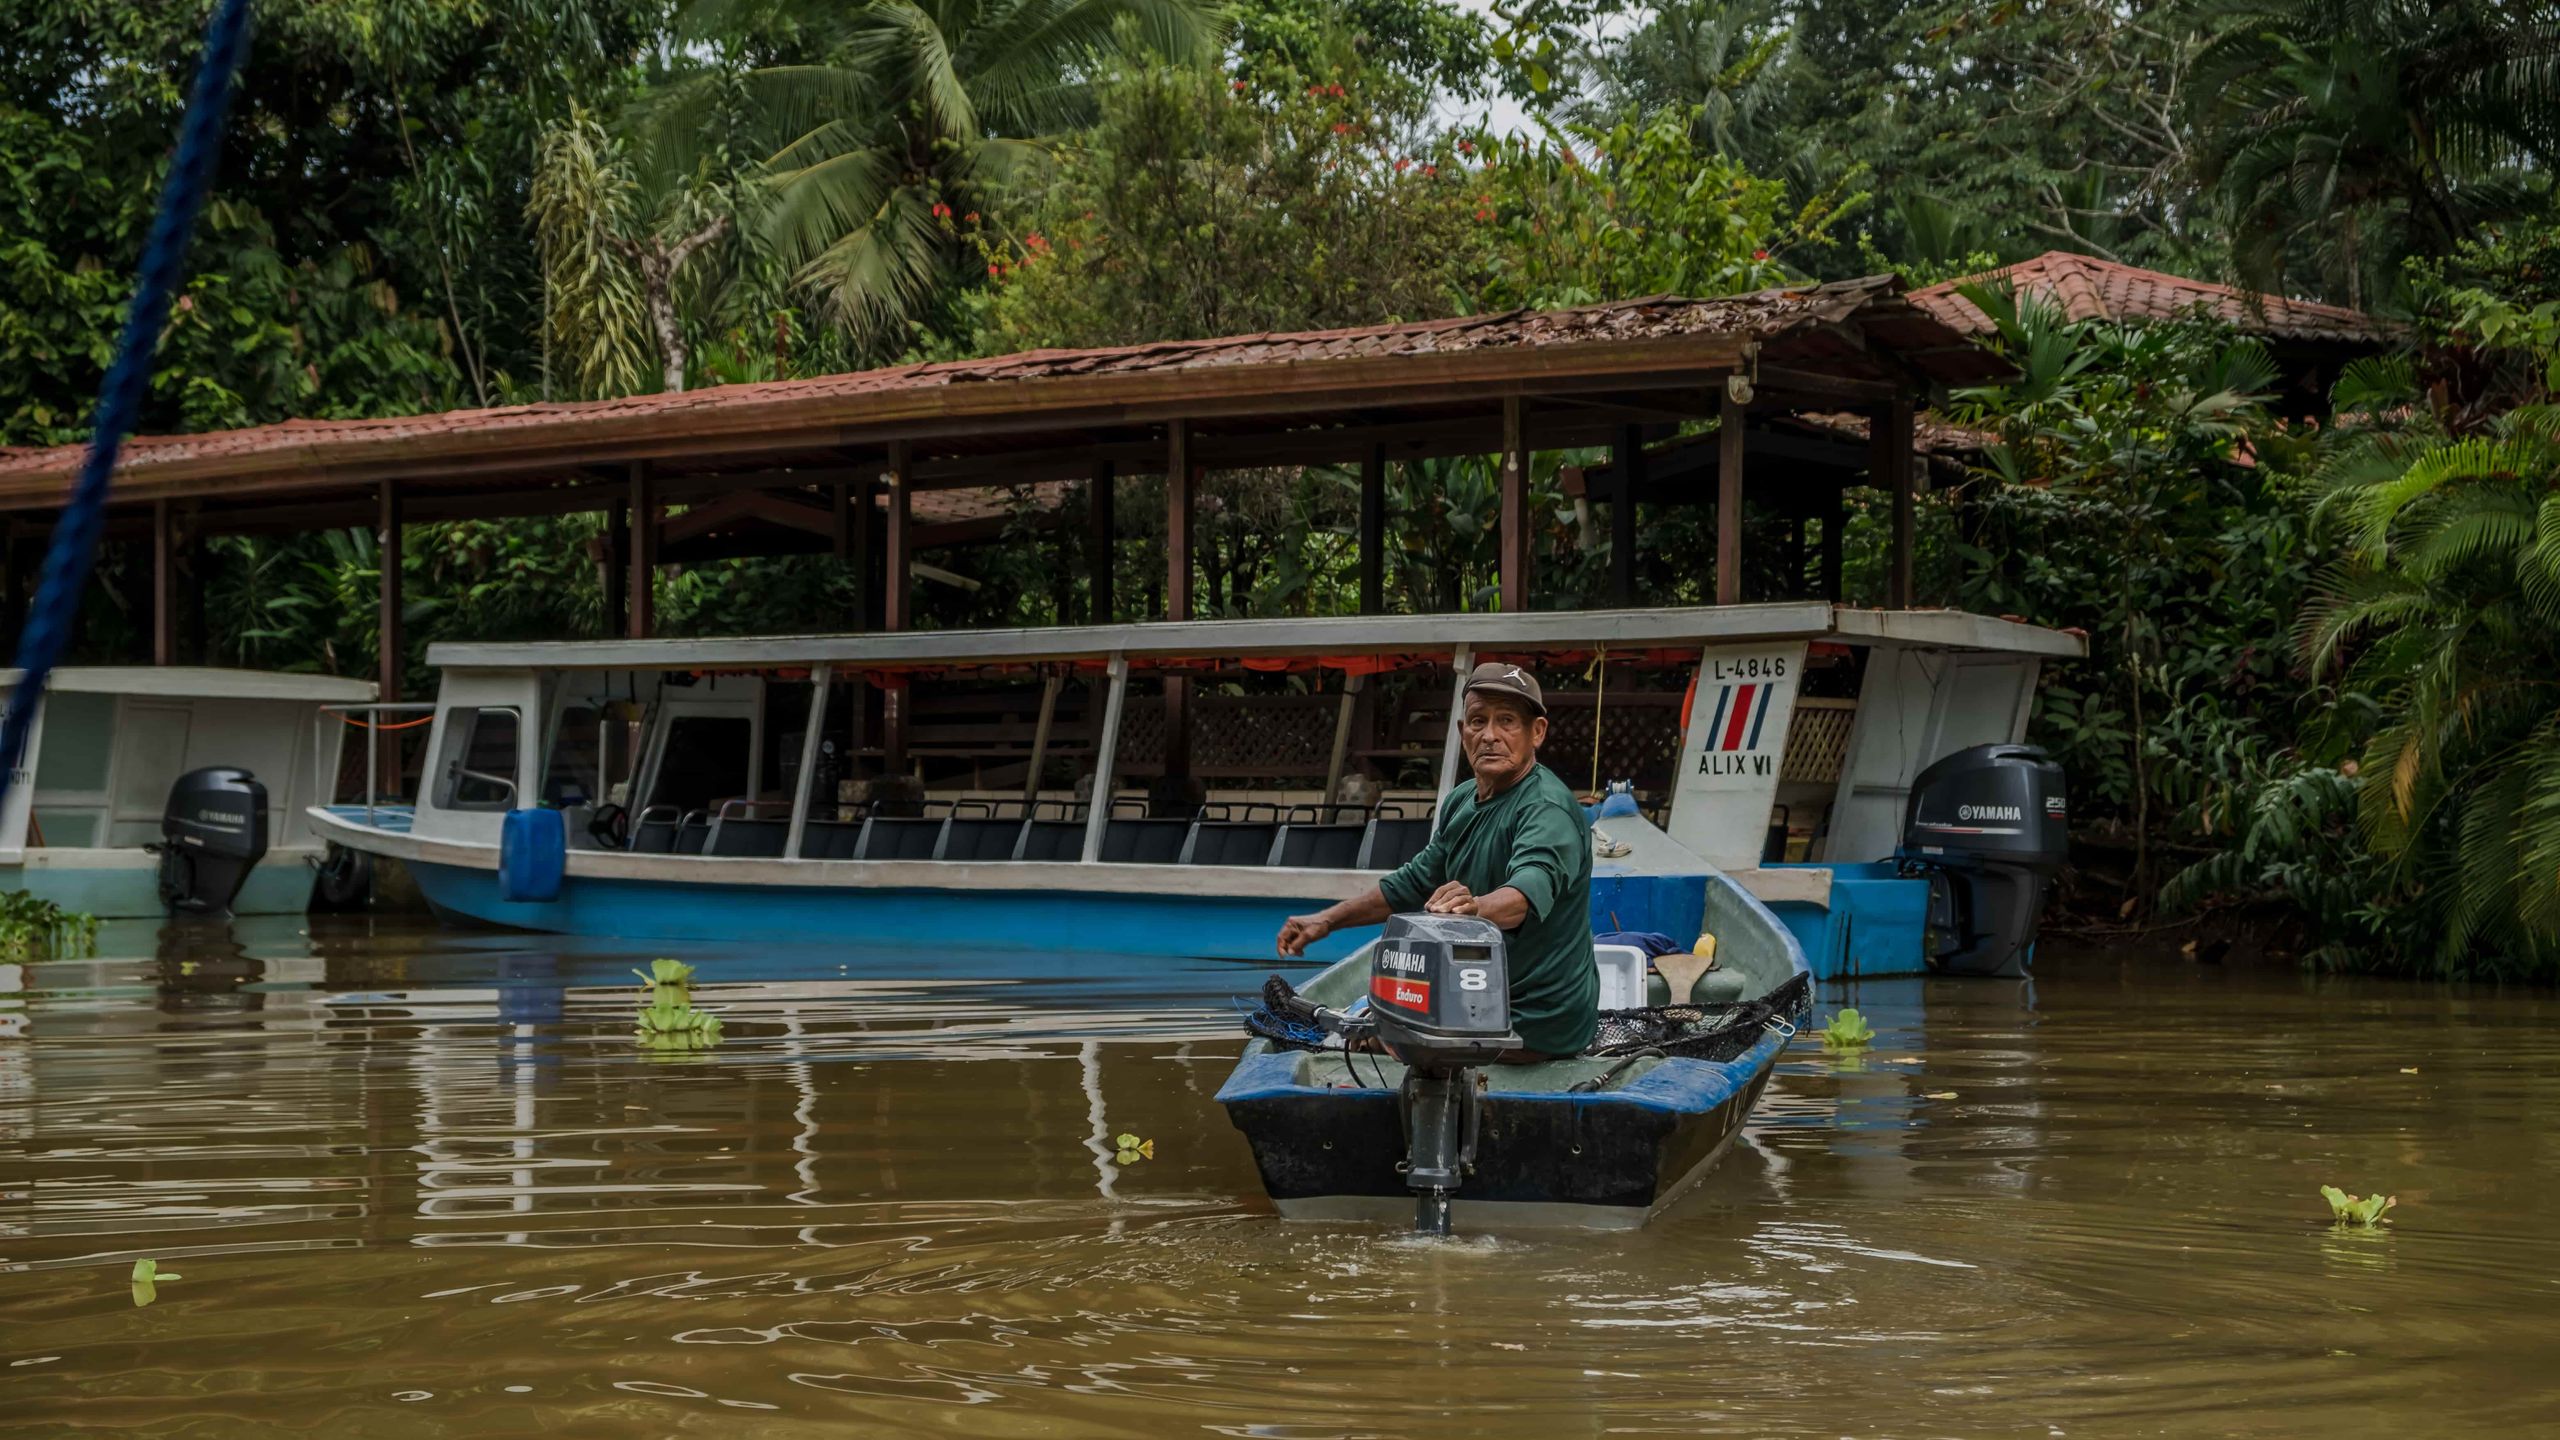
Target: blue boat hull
1608, 1160
1173, 925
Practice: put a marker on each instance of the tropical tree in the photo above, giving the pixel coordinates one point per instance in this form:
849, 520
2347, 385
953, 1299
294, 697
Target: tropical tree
618, 224
2446, 614
1584, 213
2115, 501
2338, 138
892, 117
1719, 61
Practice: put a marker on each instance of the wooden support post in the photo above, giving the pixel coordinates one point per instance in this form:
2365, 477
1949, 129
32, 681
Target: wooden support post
1889, 463
1180, 510
1181, 500
1106, 758
1049, 688
865, 539
1100, 558
1459, 664
1373, 537
390, 646
196, 570
164, 583
1729, 438
643, 550
1626, 462
897, 590
821, 680
898, 586
617, 569
1835, 522
1513, 551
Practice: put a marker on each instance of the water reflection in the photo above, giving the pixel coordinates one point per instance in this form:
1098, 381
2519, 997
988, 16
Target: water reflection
425, 1182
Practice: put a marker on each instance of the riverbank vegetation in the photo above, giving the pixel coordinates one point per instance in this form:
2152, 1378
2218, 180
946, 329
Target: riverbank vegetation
2321, 692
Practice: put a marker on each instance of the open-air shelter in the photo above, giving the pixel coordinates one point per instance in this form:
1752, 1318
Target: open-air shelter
876, 466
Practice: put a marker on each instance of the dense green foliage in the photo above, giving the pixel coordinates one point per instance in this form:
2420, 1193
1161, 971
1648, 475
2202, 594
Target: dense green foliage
2321, 651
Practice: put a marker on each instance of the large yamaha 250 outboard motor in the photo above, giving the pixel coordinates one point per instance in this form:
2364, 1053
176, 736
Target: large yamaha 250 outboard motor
1988, 828
1442, 997
212, 834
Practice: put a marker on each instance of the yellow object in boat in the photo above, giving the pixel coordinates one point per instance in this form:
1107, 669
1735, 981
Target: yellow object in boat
1705, 949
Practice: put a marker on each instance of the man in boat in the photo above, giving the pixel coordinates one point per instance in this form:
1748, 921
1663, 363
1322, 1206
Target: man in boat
1513, 847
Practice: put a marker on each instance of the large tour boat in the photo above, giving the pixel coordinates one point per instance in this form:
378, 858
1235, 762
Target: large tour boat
1176, 788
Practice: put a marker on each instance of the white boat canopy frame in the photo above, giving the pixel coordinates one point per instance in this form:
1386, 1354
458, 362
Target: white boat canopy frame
1124, 650
1239, 639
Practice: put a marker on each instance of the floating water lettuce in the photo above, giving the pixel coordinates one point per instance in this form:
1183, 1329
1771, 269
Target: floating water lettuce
146, 1277
1847, 1031
1133, 1149
669, 1021
2365, 1210
31, 929
666, 972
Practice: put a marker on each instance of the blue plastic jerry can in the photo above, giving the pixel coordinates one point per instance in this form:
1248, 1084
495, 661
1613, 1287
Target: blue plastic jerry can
533, 854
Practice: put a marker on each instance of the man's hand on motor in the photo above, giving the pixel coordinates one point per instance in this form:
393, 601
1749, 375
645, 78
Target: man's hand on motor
1300, 931
1453, 898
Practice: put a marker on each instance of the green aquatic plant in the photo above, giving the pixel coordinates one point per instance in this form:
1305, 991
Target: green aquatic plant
2365, 1210
666, 972
147, 1276
669, 1021
1133, 1149
1847, 1031
32, 928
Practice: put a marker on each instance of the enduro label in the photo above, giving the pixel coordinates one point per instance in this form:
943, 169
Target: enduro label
1404, 994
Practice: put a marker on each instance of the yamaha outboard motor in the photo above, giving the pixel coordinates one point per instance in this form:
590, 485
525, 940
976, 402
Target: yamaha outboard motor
1441, 995
1988, 828
212, 834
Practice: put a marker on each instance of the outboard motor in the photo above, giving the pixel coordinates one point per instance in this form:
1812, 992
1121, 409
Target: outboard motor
212, 834
1441, 995
1987, 826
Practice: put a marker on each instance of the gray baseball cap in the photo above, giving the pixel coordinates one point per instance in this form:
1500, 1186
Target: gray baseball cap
1495, 678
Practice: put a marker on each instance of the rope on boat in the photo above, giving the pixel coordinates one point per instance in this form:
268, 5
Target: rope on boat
73, 552
403, 725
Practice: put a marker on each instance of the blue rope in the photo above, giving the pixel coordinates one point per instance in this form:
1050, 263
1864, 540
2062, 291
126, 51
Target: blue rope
74, 551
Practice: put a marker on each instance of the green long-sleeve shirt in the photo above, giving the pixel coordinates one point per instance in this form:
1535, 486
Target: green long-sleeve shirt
1532, 838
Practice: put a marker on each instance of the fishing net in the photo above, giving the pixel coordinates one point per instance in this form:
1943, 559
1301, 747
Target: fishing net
1700, 1032
1285, 1020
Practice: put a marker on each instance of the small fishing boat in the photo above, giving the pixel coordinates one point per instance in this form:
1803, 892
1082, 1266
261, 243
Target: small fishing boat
124, 761
1602, 1140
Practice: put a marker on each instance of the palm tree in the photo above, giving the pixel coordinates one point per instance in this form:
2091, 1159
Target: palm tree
903, 116
2447, 614
2347, 133
1722, 57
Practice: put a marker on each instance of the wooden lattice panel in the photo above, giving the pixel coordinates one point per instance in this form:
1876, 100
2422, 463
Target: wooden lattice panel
1264, 734
1639, 738
1818, 740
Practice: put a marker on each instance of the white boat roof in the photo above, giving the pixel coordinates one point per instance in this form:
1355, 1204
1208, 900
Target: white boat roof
200, 682
1333, 635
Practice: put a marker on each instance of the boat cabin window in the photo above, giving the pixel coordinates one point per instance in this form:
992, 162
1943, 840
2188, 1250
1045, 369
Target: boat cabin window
704, 761
592, 755
478, 768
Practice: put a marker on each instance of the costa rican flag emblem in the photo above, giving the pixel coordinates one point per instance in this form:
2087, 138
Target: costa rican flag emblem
1740, 712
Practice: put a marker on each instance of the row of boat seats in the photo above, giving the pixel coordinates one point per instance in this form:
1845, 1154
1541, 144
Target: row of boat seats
1379, 842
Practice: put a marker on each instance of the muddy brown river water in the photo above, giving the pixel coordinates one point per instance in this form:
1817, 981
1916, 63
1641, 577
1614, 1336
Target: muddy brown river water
420, 1183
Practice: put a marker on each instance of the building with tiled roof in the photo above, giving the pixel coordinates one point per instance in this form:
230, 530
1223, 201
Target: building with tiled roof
2310, 341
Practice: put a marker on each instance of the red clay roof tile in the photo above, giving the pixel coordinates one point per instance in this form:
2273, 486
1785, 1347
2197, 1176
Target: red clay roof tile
2087, 288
